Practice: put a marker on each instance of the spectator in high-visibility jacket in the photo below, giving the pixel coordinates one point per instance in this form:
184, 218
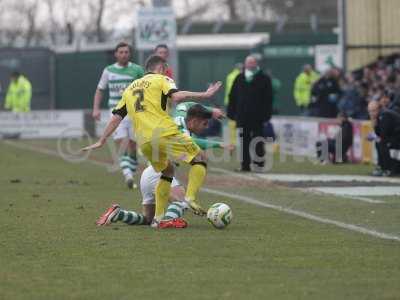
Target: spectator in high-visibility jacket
19, 94
230, 78
302, 87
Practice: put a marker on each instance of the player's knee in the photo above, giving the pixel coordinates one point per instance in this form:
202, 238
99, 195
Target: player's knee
132, 144
168, 171
200, 159
199, 162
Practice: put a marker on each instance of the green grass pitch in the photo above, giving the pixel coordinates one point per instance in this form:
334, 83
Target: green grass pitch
50, 247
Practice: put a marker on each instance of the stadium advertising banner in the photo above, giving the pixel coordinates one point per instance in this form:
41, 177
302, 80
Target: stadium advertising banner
155, 26
329, 129
42, 124
296, 136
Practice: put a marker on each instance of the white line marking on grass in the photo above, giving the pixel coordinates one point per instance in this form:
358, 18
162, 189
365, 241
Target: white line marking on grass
325, 178
368, 200
359, 190
305, 215
338, 195
300, 177
308, 177
245, 199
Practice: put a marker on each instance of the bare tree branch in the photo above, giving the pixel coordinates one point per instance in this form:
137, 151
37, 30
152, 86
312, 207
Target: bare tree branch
232, 6
99, 18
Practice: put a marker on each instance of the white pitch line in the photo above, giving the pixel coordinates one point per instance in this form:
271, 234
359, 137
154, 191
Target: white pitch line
359, 190
368, 200
305, 215
245, 199
326, 178
104, 164
338, 195
308, 190
308, 177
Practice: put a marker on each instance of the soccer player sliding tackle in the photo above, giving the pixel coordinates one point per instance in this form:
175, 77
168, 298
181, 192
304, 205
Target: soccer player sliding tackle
145, 101
191, 118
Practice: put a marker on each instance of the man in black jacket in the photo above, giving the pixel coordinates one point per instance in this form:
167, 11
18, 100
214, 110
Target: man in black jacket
325, 95
250, 105
386, 124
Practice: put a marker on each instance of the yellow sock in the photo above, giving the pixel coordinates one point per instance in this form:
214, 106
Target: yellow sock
163, 189
232, 131
197, 173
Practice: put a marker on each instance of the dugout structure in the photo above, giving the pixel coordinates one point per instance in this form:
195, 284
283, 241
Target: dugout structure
370, 30
38, 65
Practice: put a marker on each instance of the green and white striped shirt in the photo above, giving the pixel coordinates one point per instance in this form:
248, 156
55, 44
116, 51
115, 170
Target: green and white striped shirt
117, 78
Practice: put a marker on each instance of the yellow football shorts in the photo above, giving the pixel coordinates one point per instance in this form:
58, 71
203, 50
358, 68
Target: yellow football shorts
176, 147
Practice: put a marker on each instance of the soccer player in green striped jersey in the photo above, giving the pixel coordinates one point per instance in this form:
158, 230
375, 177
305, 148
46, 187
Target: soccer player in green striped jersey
115, 78
191, 118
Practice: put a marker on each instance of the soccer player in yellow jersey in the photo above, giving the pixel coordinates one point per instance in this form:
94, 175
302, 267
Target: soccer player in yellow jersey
145, 101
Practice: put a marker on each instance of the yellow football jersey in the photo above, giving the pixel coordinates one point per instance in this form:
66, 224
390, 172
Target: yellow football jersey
145, 101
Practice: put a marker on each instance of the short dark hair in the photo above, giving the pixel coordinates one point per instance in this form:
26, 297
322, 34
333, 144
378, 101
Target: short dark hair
153, 61
198, 111
121, 45
161, 46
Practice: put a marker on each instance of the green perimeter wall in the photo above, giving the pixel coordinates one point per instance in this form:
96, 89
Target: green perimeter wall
199, 68
284, 56
77, 74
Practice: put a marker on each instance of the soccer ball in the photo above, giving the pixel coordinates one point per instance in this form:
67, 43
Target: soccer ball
219, 215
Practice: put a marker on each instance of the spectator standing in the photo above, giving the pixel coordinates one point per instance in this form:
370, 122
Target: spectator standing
390, 101
302, 88
352, 102
19, 93
386, 123
250, 105
325, 95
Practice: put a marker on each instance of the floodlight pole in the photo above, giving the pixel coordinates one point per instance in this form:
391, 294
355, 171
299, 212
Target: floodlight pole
341, 4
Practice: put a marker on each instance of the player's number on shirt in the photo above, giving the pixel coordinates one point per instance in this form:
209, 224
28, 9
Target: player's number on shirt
140, 97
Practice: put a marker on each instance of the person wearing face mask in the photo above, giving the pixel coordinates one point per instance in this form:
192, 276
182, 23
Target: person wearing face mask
250, 106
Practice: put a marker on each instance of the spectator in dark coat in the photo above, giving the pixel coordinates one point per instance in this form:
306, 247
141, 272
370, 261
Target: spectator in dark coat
325, 95
352, 102
386, 124
250, 105
390, 101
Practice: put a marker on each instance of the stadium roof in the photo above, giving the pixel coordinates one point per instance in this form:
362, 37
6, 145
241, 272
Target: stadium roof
221, 41
231, 41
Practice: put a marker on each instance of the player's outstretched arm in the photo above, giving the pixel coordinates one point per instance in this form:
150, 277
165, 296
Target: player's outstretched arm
98, 97
184, 95
111, 126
